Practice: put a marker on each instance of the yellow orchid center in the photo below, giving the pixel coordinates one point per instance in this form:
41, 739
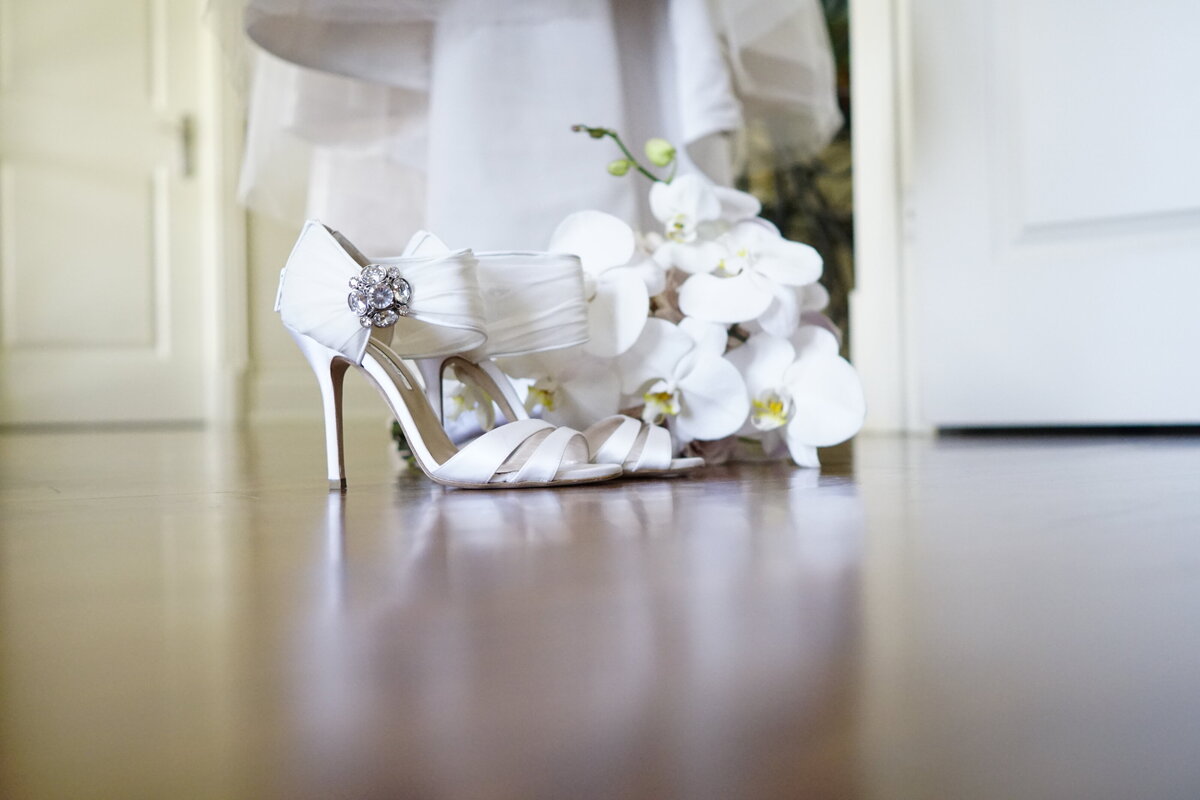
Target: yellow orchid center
733, 264
771, 409
661, 402
542, 393
677, 229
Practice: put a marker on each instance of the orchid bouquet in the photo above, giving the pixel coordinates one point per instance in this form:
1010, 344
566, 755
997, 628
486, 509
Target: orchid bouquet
711, 327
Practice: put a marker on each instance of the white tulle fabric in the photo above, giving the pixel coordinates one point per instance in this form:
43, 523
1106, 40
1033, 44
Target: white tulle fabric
637, 446
524, 451
398, 104
533, 302
445, 316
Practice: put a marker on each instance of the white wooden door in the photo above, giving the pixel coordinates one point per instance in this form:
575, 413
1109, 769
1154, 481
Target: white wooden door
100, 313
1055, 211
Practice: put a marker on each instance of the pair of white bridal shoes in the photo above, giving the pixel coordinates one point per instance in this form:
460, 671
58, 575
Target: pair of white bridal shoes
441, 308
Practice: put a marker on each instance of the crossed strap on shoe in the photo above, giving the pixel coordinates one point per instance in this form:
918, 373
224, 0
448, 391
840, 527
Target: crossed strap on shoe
523, 452
637, 446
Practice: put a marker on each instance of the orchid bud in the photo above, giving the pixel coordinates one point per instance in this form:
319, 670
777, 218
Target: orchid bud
595, 133
660, 151
619, 167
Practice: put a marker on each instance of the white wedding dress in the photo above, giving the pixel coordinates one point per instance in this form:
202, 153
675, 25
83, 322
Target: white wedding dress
381, 117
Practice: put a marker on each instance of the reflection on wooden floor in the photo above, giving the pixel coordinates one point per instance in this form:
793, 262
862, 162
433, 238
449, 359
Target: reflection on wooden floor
193, 614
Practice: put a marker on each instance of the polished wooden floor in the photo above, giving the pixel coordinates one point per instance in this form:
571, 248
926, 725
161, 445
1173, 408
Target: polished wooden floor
192, 615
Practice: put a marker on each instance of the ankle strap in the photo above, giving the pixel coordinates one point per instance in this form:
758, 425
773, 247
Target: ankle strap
533, 301
427, 305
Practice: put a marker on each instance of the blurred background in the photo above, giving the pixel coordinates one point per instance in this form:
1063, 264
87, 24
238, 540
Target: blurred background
1017, 244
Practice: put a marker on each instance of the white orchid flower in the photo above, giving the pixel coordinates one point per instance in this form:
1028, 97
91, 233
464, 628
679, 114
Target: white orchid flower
736, 205
615, 280
757, 267
801, 392
812, 301
792, 306
684, 206
680, 376
694, 213
653, 274
569, 386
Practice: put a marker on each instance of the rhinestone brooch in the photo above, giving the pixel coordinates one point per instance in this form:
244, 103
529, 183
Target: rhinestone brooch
379, 296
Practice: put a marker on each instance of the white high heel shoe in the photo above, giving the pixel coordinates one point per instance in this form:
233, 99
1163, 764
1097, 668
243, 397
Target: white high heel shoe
535, 302
344, 311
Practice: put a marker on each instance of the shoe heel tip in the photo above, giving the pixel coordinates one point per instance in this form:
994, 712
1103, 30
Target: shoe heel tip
337, 484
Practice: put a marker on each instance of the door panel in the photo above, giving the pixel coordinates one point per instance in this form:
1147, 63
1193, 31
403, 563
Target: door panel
99, 262
1056, 212
1102, 108
105, 215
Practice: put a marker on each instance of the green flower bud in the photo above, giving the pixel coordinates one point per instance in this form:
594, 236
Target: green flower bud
595, 133
660, 151
619, 167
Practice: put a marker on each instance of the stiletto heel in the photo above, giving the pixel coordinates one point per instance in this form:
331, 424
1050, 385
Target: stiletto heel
345, 311
330, 368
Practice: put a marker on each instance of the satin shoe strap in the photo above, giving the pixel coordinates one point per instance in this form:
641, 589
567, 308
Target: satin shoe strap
561, 446
533, 450
634, 444
533, 301
656, 449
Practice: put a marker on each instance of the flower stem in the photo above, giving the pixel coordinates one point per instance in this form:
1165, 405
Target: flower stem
599, 133
636, 164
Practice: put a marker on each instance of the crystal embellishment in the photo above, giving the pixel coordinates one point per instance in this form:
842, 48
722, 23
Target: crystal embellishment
380, 296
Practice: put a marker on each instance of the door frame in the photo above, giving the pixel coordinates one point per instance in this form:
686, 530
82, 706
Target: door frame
219, 143
882, 326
